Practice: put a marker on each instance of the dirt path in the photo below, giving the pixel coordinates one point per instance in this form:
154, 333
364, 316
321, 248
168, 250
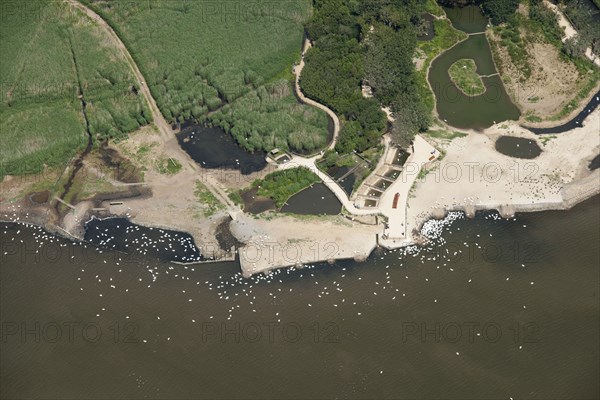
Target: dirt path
336, 121
163, 126
569, 30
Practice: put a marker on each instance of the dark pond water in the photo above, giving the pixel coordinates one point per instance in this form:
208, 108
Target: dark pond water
215, 148
400, 157
518, 147
392, 174
255, 204
492, 309
429, 32
576, 122
121, 235
374, 193
595, 163
370, 203
347, 183
314, 200
40, 197
337, 172
382, 184
453, 106
468, 19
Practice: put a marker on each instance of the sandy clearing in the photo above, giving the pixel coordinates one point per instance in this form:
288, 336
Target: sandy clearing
295, 241
474, 176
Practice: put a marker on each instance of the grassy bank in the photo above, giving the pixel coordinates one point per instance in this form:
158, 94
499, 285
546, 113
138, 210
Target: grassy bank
208, 200
281, 185
445, 37
464, 75
543, 89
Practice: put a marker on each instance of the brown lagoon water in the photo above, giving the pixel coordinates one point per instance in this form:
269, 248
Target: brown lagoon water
494, 309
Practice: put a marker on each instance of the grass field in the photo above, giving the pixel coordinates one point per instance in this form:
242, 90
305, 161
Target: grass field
48, 50
464, 75
200, 55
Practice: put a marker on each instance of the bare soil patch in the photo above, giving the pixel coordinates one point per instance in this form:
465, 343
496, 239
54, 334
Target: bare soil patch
552, 84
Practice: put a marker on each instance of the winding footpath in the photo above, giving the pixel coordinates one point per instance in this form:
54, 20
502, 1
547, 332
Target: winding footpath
394, 234
336, 121
396, 226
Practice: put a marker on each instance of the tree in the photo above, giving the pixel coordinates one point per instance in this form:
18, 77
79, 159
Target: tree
574, 47
499, 11
410, 117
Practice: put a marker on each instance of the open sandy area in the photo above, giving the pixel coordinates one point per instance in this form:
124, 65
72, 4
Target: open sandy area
294, 241
474, 176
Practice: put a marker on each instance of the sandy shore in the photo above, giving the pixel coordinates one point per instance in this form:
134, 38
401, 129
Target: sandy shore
471, 176
295, 241
474, 176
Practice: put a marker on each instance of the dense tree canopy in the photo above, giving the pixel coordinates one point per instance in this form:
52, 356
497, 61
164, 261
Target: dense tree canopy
359, 42
498, 11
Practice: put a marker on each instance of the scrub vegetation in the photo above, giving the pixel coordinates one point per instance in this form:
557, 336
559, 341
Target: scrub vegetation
227, 64
281, 185
464, 75
49, 51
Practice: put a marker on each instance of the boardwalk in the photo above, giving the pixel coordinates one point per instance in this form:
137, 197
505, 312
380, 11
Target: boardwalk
396, 228
395, 231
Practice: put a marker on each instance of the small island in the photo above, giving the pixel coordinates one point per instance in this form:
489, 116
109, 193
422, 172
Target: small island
464, 75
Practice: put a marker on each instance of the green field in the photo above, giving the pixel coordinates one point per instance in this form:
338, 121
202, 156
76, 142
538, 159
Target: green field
48, 50
198, 56
464, 75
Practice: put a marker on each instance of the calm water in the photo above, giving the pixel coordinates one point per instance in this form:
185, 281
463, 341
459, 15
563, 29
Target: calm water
517, 147
495, 309
456, 108
315, 200
576, 122
215, 148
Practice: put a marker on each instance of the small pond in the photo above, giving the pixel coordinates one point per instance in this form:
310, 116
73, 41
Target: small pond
428, 33
392, 174
214, 148
518, 147
400, 157
342, 176
382, 184
315, 200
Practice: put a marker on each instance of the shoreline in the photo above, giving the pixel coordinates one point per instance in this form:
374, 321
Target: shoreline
248, 264
358, 241
309, 239
274, 240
